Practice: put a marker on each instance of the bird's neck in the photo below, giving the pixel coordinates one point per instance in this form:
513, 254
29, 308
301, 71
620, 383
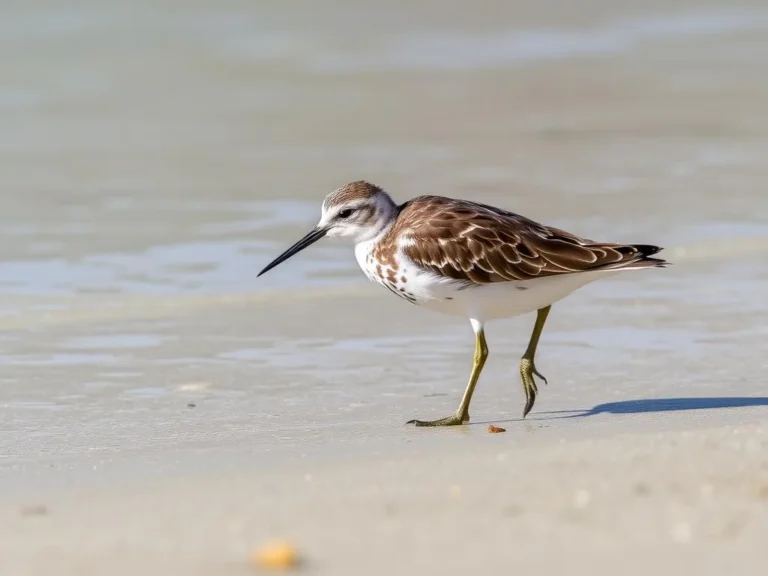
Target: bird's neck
384, 218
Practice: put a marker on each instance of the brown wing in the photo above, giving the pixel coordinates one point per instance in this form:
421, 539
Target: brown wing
480, 244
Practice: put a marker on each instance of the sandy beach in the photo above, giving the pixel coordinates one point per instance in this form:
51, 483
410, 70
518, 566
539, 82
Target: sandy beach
164, 411
668, 502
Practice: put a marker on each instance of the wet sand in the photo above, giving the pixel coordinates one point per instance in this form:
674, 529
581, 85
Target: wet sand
171, 411
647, 450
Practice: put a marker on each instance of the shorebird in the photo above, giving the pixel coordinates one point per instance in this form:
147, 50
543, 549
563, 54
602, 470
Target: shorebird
471, 260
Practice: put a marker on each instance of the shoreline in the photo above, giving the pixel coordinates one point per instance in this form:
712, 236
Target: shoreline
101, 308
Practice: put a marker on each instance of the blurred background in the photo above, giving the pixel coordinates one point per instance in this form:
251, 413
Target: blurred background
173, 146
155, 155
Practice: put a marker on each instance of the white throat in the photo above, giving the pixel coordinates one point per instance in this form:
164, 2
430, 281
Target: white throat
364, 250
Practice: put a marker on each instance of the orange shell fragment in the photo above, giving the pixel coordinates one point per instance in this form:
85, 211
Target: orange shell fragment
277, 555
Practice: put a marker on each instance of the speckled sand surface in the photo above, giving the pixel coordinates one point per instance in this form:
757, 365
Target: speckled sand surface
693, 502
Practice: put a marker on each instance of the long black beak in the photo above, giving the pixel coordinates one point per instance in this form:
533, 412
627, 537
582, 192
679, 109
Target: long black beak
305, 242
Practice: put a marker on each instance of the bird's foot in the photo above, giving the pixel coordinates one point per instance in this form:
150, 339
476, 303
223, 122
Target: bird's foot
453, 420
527, 370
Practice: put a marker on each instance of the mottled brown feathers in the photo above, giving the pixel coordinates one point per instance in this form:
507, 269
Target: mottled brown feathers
480, 244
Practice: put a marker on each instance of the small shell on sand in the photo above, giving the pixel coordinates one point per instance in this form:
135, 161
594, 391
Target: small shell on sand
495, 429
277, 555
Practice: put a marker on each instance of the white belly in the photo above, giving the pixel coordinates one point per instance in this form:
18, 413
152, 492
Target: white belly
485, 302
508, 299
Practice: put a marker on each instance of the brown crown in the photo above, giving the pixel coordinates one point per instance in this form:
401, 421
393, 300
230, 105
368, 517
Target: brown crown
358, 190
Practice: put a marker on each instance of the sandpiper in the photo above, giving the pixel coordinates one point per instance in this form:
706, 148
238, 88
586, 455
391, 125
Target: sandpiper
471, 260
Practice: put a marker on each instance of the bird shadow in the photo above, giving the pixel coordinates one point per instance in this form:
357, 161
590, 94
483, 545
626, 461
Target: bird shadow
650, 405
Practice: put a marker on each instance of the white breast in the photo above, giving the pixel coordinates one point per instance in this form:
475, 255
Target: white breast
401, 279
364, 257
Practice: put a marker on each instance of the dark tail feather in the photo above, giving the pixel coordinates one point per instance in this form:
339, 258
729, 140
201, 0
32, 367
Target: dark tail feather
644, 258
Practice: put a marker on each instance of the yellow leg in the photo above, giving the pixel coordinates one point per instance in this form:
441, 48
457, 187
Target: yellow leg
462, 414
527, 365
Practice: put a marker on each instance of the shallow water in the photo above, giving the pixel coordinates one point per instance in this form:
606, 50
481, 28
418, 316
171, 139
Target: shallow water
156, 156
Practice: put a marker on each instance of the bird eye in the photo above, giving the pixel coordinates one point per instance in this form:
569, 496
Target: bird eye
346, 213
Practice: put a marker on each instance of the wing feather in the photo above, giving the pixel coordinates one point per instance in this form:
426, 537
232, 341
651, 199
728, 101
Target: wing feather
479, 244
